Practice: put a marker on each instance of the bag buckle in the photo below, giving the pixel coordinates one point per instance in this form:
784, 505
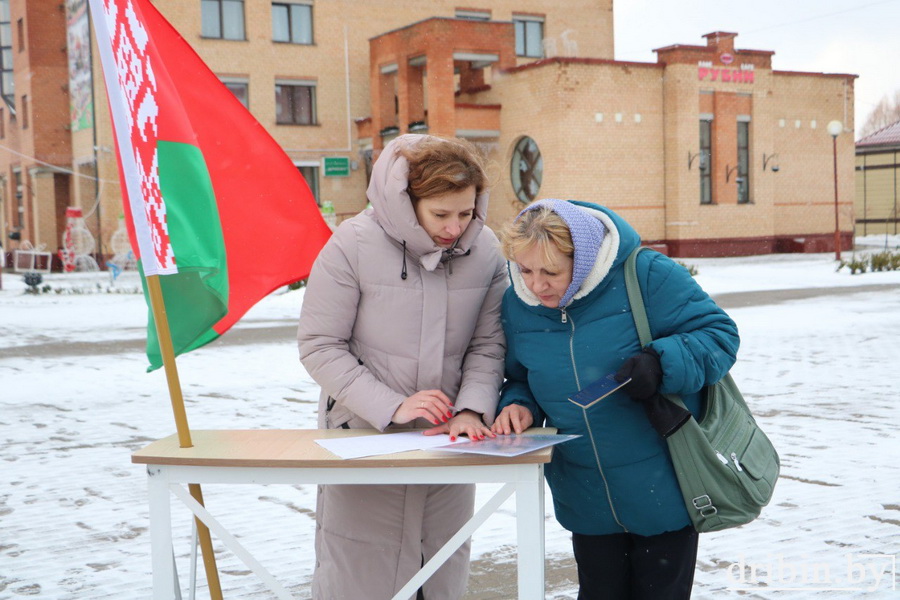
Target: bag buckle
705, 506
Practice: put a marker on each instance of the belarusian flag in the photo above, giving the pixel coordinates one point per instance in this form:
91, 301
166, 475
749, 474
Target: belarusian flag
215, 207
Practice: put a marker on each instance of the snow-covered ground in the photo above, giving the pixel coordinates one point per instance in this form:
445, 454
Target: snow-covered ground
75, 401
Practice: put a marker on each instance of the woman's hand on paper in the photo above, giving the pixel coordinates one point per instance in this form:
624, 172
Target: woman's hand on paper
466, 423
514, 418
433, 405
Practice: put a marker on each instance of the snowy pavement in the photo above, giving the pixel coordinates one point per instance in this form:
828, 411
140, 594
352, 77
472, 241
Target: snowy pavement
820, 373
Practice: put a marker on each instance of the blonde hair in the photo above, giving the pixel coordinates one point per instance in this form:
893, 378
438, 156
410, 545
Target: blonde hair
441, 165
539, 227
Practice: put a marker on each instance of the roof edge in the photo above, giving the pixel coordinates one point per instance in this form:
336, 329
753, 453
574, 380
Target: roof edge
582, 61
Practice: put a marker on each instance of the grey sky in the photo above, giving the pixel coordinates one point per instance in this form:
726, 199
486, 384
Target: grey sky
837, 36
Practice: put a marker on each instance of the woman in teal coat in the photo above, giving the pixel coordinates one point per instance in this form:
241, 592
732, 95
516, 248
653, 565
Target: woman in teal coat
568, 323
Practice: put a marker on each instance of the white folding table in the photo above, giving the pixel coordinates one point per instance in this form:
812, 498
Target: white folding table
291, 456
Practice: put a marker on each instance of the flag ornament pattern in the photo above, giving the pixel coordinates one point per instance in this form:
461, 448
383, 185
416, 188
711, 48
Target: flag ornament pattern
214, 206
135, 73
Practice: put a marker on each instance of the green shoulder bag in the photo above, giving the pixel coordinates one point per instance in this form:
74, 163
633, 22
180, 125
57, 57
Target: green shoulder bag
725, 464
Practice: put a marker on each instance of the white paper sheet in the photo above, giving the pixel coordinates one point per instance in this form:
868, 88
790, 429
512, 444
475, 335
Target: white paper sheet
385, 443
508, 445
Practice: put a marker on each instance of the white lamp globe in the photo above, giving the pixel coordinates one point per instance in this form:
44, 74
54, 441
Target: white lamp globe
835, 128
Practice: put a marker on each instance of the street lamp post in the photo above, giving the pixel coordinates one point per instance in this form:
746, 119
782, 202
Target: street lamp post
834, 129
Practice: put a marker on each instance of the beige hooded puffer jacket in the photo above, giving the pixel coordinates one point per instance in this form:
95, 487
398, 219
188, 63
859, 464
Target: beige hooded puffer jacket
387, 313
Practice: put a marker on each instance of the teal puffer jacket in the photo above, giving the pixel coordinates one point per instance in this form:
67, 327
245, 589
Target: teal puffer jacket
618, 475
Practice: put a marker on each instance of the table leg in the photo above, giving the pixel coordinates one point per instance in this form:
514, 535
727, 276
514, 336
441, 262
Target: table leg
530, 530
164, 582
457, 540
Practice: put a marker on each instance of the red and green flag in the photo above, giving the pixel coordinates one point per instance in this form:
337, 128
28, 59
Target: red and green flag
214, 206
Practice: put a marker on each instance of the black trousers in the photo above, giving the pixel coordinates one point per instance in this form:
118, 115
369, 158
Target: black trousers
624, 566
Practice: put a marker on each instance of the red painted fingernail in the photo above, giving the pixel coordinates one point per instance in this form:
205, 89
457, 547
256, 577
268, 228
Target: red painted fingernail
449, 414
445, 419
452, 438
436, 422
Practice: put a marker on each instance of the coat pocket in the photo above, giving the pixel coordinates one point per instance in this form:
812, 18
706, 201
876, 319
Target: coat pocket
337, 416
756, 461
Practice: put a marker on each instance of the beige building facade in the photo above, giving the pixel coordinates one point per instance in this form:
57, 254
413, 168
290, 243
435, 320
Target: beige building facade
708, 151
877, 209
311, 89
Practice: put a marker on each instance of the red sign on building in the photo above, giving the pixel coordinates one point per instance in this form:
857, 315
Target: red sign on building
725, 75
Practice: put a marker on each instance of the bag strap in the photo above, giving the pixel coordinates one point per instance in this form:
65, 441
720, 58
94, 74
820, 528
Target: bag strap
638, 310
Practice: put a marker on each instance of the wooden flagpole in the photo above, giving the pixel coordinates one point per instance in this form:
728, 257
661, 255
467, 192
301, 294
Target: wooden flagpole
158, 306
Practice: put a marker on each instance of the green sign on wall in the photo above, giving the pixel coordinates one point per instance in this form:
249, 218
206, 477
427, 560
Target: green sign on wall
336, 166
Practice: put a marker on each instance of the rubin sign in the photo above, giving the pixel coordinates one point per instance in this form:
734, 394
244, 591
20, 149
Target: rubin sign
707, 72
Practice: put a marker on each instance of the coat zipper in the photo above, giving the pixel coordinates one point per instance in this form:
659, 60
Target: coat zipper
602, 475
565, 319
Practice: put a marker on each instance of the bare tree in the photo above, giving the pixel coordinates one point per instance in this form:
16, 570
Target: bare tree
886, 112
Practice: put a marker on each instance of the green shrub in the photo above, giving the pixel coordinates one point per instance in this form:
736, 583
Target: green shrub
880, 261
856, 265
895, 261
692, 269
885, 260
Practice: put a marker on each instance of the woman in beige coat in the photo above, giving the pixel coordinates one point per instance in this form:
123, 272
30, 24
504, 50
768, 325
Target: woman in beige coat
400, 327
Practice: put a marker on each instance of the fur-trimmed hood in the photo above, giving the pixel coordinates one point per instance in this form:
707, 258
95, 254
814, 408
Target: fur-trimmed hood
619, 241
392, 208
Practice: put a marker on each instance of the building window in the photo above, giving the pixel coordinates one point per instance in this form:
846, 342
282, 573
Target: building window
706, 162
292, 23
240, 88
24, 110
473, 15
743, 170
6, 58
311, 175
295, 104
20, 30
529, 36
223, 19
526, 169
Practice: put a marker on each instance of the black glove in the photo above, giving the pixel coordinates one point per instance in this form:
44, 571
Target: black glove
645, 372
665, 416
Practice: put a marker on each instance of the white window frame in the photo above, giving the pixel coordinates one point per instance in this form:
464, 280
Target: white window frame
222, 18
314, 186
473, 15
310, 83
527, 52
230, 80
291, 32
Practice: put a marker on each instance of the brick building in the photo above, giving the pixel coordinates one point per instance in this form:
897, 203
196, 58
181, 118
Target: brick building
708, 151
303, 70
35, 138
